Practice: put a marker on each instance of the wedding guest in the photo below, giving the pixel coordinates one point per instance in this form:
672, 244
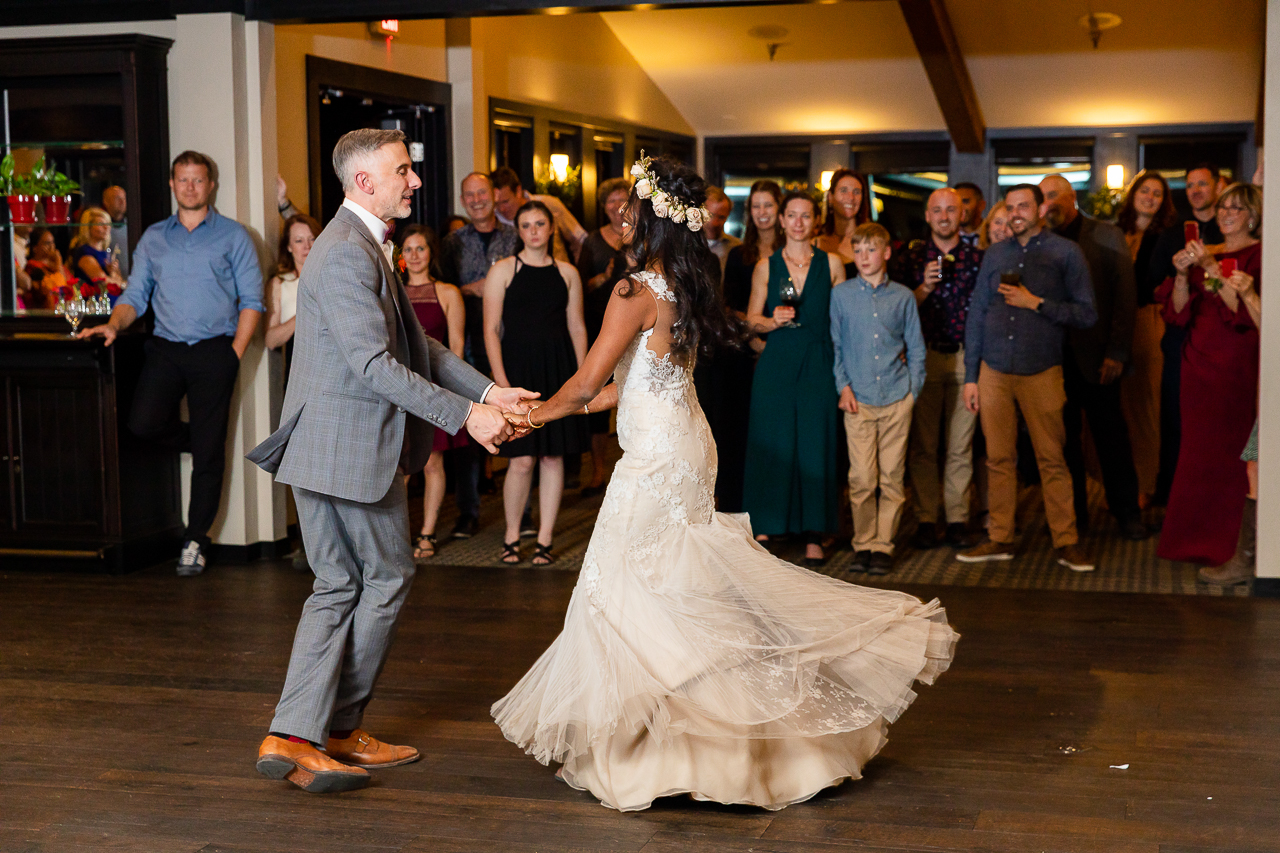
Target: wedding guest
466, 255
537, 338
995, 227
439, 308
116, 203
724, 380
1147, 211
1203, 185
296, 238
972, 205
719, 242
45, 271
848, 206
90, 255
790, 485
879, 371
1095, 358
1030, 289
942, 270
1219, 375
601, 264
198, 272
509, 196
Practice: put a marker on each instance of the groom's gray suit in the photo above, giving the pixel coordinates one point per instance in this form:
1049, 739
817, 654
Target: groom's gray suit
367, 388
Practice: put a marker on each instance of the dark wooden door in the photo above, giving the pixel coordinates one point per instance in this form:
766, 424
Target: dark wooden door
59, 471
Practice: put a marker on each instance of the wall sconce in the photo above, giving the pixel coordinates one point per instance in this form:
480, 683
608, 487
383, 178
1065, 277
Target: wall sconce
826, 179
1115, 177
559, 167
387, 29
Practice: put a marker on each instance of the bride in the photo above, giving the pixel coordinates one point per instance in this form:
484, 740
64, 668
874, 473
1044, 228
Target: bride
692, 660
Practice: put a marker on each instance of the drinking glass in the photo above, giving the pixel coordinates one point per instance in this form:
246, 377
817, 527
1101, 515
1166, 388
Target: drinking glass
789, 297
73, 311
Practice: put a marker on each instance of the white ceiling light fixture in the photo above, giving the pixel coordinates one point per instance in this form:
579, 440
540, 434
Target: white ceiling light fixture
1097, 23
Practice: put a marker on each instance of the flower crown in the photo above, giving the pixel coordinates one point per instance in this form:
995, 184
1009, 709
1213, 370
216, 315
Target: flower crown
664, 203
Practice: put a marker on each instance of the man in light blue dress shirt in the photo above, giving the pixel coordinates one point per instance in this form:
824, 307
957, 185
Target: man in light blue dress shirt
199, 273
879, 371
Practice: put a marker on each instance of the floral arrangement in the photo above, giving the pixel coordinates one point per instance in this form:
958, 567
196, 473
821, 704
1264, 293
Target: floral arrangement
544, 183
664, 203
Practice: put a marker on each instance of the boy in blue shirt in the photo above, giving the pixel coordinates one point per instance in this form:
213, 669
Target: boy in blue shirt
874, 322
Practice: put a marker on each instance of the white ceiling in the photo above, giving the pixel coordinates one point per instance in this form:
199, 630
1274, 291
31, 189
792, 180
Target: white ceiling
852, 66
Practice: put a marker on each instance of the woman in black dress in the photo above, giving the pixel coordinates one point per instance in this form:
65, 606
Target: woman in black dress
601, 264
535, 337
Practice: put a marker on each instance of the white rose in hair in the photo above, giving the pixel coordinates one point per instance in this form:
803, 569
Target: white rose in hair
694, 219
678, 213
637, 171
661, 204
643, 188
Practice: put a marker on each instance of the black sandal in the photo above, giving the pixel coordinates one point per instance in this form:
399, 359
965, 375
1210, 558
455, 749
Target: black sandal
418, 547
510, 553
542, 555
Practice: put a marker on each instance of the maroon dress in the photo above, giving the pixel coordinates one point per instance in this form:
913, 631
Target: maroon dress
434, 323
1219, 405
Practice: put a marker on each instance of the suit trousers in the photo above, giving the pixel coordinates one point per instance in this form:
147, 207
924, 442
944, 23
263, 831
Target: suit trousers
939, 410
1041, 398
363, 563
1101, 405
877, 437
205, 373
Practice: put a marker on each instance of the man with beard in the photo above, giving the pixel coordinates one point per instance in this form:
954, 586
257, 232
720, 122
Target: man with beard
1095, 358
1204, 182
972, 208
1030, 290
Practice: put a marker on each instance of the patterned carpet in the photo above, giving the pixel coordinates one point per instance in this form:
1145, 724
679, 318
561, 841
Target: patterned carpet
1122, 566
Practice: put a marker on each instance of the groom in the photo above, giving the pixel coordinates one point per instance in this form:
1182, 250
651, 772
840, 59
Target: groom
366, 390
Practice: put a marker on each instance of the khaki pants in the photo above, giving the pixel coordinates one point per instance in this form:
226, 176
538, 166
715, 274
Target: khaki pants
940, 408
877, 438
1040, 397
1140, 395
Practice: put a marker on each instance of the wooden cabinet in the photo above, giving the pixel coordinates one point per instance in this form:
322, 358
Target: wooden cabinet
78, 487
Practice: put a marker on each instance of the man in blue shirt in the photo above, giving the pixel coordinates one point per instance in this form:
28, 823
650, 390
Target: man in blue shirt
199, 273
879, 371
1030, 290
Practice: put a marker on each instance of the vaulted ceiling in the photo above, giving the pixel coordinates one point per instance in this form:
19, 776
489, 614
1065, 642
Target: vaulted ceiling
853, 66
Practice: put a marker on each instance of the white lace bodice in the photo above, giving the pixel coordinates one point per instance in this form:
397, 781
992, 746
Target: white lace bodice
667, 474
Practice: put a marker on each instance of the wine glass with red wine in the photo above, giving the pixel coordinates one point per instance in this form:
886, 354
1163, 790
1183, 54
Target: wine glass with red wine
789, 297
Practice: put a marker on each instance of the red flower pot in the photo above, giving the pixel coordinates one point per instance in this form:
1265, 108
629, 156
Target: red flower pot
22, 209
57, 209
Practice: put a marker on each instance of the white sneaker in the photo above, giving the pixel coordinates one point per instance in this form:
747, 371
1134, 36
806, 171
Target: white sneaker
191, 562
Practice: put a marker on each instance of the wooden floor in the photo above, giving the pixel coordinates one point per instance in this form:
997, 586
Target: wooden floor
131, 709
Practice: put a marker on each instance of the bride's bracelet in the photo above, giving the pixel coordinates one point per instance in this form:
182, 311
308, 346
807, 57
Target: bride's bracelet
528, 419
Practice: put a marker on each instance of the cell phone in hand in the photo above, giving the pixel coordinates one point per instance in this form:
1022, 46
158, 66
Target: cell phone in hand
1190, 231
1228, 266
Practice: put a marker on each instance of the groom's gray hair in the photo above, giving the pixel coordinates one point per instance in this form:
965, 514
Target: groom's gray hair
355, 146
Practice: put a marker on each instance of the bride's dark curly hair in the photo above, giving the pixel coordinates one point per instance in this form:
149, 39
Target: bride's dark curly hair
702, 324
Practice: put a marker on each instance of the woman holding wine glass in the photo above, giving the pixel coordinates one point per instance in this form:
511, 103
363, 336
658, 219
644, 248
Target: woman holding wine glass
790, 483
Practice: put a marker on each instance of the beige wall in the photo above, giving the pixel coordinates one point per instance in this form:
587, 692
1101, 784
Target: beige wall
418, 51
572, 62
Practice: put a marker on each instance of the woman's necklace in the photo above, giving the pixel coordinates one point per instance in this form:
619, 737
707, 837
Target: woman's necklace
799, 264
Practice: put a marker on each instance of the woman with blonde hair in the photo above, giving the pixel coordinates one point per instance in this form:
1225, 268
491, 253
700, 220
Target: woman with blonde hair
995, 227
91, 253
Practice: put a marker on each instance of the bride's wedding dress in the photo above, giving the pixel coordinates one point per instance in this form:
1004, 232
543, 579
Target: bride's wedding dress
692, 660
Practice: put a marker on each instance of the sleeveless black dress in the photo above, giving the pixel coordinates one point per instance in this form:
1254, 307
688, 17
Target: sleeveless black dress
537, 353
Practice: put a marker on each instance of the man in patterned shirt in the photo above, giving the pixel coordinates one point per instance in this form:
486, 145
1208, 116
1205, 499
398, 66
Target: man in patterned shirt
942, 269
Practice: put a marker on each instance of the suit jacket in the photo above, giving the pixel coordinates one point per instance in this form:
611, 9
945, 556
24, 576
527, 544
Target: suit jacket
366, 387
1115, 296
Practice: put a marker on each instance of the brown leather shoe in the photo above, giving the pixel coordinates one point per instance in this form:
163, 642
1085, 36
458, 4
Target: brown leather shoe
307, 767
364, 750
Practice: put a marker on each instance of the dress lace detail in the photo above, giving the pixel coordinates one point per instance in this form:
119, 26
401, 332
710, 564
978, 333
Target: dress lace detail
691, 659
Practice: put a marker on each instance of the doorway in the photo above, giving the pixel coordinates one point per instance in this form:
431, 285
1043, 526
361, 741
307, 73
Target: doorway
344, 97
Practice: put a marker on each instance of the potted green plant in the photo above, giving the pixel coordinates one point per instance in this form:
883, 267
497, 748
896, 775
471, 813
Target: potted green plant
55, 189
21, 189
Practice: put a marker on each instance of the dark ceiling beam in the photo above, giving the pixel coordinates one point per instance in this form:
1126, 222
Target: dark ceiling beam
935, 40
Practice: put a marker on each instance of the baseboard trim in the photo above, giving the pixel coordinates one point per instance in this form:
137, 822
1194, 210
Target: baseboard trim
250, 553
1266, 587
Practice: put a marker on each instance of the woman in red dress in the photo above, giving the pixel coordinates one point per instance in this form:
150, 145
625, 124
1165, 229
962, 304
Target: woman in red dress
1219, 382
439, 309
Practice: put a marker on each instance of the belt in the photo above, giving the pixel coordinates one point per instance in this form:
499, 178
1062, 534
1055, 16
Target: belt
946, 348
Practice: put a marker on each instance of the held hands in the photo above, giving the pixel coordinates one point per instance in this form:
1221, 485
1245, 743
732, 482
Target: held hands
971, 396
1018, 296
519, 423
848, 403
514, 400
488, 426
1111, 370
